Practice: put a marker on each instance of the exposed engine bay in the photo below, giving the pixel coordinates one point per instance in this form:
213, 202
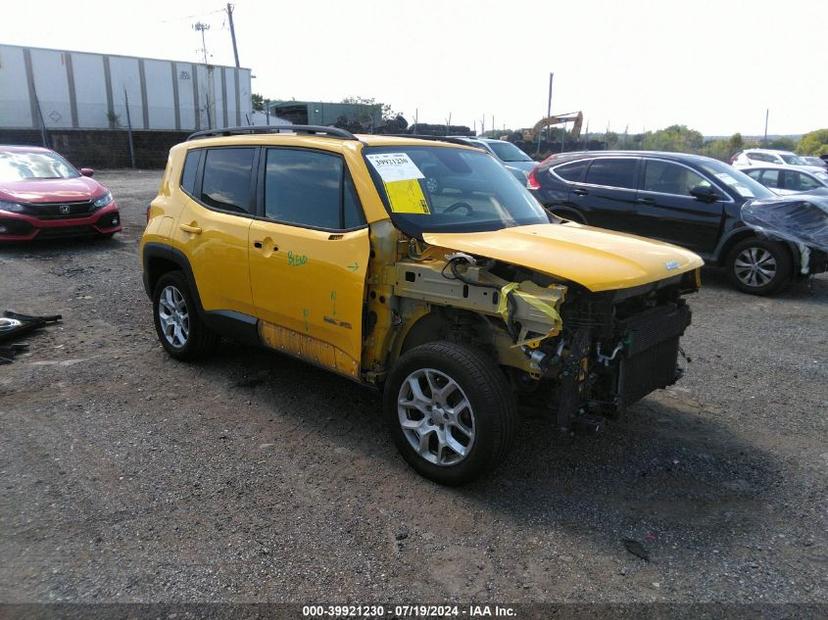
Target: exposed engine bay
578, 353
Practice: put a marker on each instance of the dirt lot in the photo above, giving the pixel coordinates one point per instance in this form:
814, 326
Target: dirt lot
127, 476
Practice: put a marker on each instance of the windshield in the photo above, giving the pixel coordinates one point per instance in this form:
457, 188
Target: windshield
736, 180
793, 160
23, 166
507, 151
822, 176
441, 189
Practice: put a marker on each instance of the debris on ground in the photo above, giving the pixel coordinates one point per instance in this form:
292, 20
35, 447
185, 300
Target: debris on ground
636, 548
14, 325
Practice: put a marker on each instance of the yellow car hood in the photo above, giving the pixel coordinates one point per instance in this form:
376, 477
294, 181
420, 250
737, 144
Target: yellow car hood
598, 259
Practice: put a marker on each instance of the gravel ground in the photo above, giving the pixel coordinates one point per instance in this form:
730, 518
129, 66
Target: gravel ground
129, 477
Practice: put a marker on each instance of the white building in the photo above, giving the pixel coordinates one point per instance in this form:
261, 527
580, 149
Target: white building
80, 90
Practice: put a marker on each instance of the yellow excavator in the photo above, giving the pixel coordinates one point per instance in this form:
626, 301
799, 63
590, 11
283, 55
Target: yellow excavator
576, 118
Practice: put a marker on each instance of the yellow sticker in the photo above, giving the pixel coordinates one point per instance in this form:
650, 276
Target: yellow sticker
407, 197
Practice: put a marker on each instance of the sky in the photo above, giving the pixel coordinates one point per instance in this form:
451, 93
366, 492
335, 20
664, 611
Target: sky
713, 65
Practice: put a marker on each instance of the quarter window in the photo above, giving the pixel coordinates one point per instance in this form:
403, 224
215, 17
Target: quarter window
668, 178
310, 188
573, 171
188, 175
612, 173
226, 184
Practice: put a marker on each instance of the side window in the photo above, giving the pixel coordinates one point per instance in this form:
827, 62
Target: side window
573, 171
799, 182
310, 188
754, 174
612, 173
770, 178
666, 177
188, 174
226, 183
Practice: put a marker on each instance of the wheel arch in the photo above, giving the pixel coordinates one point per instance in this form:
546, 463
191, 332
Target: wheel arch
159, 259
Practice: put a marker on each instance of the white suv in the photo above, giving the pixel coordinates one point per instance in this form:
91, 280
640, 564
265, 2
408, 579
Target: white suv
758, 157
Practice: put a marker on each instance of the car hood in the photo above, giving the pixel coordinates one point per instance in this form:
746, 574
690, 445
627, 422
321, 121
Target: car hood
51, 190
597, 259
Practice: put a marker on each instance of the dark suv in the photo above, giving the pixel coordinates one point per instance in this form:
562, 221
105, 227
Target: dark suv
689, 200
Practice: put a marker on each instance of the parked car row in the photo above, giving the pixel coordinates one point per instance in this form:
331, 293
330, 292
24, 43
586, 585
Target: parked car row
689, 200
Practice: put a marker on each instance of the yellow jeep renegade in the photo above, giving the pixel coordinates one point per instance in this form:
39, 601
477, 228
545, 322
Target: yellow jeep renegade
421, 267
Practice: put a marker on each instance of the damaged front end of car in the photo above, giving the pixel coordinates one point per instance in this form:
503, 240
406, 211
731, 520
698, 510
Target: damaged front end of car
580, 354
799, 219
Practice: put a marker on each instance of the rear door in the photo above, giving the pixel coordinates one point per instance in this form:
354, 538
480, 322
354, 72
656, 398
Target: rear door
309, 251
668, 211
219, 198
607, 195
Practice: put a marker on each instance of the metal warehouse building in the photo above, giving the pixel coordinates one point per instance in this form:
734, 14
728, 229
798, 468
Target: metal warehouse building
59, 89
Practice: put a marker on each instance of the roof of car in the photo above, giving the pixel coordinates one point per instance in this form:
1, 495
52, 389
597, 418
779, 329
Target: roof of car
774, 151
22, 148
574, 155
324, 141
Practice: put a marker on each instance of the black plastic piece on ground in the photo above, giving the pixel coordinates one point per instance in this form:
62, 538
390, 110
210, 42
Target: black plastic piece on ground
588, 424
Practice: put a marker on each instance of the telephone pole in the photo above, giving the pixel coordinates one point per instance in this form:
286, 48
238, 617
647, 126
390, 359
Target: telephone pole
230, 8
201, 27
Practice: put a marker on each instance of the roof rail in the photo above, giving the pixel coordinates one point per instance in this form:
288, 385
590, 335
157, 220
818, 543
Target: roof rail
417, 136
331, 132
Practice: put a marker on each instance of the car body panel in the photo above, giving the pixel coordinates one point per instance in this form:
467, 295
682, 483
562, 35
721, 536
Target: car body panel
597, 259
321, 288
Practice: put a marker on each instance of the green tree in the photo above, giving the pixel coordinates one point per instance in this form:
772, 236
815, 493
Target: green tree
782, 143
387, 112
258, 102
814, 143
674, 138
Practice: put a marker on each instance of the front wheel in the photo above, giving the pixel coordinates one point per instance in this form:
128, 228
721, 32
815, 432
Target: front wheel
451, 411
759, 266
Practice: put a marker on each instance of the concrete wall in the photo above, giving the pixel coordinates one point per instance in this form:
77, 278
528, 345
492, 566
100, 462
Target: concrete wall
102, 148
89, 91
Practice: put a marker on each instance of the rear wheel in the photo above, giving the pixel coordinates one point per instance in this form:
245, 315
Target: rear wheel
759, 266
451, 411
180, 329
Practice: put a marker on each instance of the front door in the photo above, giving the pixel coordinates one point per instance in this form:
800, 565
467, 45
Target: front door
669, 212
309, 257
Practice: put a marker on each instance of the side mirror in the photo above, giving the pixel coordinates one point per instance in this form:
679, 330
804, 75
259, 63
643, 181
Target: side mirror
87, 172
704, 193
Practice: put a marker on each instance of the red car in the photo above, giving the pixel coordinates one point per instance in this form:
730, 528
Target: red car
43, 196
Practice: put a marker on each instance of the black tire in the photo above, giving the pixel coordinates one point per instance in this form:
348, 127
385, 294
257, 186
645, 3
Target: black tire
493, 410
772, 278
200, 341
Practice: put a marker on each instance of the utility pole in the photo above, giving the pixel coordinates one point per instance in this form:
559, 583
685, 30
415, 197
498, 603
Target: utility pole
767, 113
129, 130
230, 8
201, 27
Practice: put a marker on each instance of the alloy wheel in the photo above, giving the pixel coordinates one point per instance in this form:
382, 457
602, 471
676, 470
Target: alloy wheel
436, 417
174, 316
755, 267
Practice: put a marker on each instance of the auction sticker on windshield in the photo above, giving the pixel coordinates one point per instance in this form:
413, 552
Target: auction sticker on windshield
400, 176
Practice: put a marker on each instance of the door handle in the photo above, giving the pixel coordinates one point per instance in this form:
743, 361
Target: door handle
259, 245
648, 201
580, 192
195, 230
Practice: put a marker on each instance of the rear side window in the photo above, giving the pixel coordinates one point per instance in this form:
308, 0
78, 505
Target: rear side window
767, 157
573, 171
770, 178
612, 173
226, 183
310, 188
188, 174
